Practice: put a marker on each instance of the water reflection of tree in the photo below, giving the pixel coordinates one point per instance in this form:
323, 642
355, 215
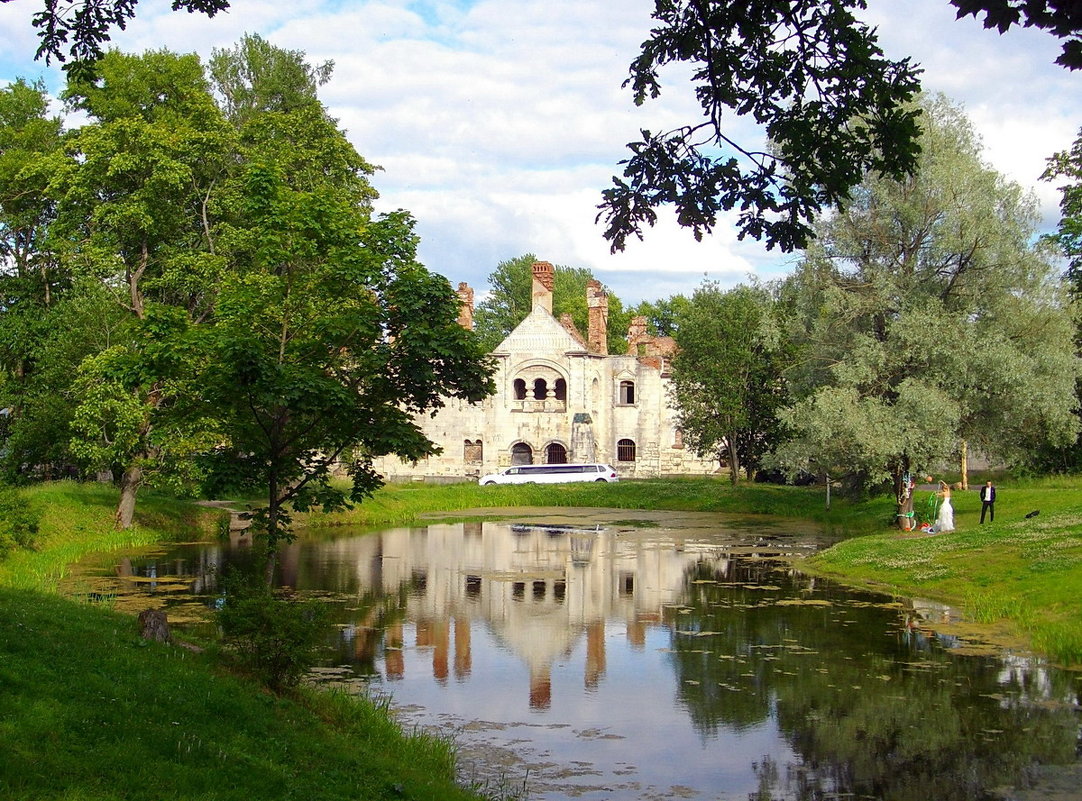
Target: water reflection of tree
869, 710
361, 622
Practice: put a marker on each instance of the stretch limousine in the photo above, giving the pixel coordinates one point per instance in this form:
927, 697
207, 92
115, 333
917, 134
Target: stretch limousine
550, 474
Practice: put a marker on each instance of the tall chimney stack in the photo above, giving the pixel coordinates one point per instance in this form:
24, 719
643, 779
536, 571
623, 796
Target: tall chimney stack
597, 307
543, 279
465, 306
636, 333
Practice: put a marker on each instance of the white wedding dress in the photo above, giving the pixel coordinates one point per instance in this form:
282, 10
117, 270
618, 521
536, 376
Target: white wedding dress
944, 521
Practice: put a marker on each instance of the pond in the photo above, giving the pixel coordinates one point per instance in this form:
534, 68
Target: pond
586, 655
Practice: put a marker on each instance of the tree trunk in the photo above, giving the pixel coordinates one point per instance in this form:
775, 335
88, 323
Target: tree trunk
734, 461
273, 506
903, 495
129, 486
965, 465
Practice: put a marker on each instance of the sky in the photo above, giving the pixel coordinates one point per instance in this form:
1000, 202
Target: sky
498, 123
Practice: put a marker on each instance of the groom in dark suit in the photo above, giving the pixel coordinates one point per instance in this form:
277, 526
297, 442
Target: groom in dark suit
988, 501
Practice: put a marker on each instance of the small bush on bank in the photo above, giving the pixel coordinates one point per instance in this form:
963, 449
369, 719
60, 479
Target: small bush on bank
18, 521
274, 637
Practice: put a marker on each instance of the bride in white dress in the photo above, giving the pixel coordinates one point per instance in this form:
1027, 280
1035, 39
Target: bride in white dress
944, 521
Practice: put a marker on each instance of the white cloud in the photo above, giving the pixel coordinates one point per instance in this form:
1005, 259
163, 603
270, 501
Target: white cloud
499, 122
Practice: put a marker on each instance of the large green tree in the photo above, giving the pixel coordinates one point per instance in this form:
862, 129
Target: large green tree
812, 75
328, 337
132, 194
929, 314
727, 377
31, 280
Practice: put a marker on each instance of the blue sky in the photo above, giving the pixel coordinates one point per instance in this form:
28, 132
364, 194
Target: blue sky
499, 122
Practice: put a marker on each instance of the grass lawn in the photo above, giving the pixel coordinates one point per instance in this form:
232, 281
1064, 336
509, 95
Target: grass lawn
91, 712
1025, 572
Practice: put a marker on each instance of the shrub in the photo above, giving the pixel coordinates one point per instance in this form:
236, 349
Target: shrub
274, 637
18, 521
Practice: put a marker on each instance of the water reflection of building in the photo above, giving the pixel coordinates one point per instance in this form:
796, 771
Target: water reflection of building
539, 590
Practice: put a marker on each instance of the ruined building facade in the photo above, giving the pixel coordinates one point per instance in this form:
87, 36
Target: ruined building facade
561, 397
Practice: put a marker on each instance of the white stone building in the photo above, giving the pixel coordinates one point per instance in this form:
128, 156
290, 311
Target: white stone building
561, 398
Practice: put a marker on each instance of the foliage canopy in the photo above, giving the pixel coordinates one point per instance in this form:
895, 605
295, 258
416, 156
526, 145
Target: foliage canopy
928, 315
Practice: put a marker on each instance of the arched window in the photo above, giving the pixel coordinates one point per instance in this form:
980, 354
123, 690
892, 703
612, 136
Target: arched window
540, 389
521, 453
625, 450
561, 389
555, 453
472, 452
627, 392
520, 389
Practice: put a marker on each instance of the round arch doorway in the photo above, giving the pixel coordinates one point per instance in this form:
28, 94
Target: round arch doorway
555, 453
521, 453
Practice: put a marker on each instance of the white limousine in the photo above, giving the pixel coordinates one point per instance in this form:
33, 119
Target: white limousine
551, 474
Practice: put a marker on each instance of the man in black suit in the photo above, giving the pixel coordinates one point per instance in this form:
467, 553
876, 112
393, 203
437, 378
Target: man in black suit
988, 501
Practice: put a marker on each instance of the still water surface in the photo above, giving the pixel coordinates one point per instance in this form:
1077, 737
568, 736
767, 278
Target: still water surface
588, 656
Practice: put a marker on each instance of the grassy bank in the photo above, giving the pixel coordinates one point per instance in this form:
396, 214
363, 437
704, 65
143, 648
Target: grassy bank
77, 519
1022, 572
402, 503
89, 711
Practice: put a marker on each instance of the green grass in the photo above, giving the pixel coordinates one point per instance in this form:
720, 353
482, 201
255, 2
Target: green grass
402, 503
90, 712
1023, 572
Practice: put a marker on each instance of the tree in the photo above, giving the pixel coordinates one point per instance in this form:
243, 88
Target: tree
510, 300
1067, 165
328, 337
927, 315
80, 322
662, 315
28, 137
82, 26
256, 77
133, 194
813, 76
727, 376
30, 276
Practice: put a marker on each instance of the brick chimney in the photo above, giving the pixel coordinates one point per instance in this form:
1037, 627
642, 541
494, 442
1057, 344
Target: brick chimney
543, 279
597, 306
636, 333
465, 306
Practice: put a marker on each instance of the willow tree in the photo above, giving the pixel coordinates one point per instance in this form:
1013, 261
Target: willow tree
929, 313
